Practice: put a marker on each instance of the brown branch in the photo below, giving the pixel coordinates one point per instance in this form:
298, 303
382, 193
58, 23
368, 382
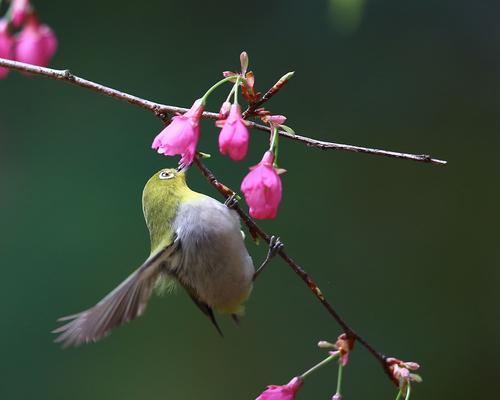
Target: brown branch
162, 110
267, 96
311, 284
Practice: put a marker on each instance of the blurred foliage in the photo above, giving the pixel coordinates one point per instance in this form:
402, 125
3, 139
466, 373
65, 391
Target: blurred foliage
346, 15
407, 252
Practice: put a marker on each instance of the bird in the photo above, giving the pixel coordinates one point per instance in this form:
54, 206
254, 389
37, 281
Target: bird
196, 243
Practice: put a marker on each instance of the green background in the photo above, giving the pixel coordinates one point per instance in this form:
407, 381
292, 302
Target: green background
407, 252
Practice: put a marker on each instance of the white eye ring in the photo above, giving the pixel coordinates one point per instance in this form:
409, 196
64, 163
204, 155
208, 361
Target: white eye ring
165, 175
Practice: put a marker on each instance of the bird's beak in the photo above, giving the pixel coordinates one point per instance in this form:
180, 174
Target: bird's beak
182, 168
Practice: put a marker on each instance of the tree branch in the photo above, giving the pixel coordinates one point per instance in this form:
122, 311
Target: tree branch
162, 110
267, 96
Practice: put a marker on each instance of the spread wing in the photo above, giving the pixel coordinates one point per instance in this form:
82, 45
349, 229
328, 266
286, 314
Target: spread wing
125, 303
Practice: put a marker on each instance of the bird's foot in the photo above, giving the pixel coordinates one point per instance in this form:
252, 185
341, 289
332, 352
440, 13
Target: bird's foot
275, 245
231, 201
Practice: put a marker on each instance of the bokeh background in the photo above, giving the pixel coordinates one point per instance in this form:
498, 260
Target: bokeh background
407, 252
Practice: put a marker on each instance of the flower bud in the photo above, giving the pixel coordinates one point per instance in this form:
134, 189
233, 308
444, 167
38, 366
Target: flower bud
6, 44
262, 189
282, 392
323, 344
20, 9
224, 110
234, 136
244, 62
36, 43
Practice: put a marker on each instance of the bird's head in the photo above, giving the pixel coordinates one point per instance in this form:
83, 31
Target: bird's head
166, 182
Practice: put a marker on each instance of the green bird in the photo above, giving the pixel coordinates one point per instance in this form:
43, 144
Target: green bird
196, 241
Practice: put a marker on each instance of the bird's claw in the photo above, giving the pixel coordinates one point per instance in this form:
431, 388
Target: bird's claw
231, 201
275, 245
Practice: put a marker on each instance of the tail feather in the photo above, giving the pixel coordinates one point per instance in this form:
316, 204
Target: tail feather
205, 309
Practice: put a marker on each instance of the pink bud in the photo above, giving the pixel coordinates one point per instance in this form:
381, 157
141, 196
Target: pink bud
277, 119
244, 62
262, 188
325, 345
412, 365
224, 110
181, 135
401, 370
337, 396
20, 9
234, 136
283, 392
36, 44
6, 46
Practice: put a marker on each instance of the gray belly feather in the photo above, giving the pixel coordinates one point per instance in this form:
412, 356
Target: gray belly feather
213, 259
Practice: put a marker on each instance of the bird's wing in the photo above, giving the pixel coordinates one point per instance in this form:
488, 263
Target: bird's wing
126, 302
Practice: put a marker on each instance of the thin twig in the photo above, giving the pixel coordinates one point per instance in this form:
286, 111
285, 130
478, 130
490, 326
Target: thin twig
162, 111
311, 284
267, 96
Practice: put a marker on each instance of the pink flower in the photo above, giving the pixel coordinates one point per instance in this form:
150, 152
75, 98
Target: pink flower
344, 345
284, 392
36, 44
402, 371
6, 43
277, 120
20, 9
262, 188
274, 120
181, 135
234, 136
224, 110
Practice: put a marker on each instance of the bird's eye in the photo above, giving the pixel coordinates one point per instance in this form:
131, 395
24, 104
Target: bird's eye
166, 175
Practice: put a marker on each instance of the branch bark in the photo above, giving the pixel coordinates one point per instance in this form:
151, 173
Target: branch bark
162, 111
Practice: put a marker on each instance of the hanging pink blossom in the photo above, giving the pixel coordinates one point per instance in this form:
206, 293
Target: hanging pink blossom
262, 188
36, 44
181, 135
284, 392
20, 9
344, 345
234, 136
224, 110
403, 371
6, 44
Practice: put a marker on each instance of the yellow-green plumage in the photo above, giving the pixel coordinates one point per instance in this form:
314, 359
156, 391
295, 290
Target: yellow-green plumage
195, 241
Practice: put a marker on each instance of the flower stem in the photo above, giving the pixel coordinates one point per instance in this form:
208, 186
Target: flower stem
339, 378
400, 393
230, 93
236, 87
408, 391
317, 366
274, 144
215, 86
